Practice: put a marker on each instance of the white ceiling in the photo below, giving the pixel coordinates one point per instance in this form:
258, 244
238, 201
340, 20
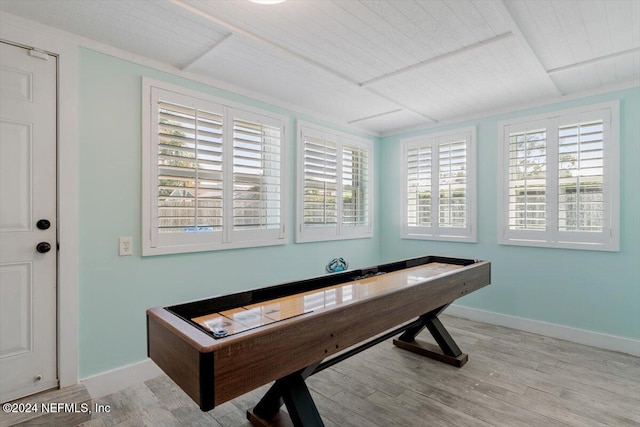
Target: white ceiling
383, 65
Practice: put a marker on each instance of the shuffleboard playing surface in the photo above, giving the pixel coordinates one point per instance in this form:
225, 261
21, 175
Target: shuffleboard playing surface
252, 316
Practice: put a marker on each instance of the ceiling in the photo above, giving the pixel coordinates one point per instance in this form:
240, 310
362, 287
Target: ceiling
382, 66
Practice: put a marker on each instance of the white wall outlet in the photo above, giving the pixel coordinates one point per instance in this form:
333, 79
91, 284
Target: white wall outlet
126, 246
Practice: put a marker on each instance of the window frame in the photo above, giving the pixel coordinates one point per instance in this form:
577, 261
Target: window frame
227, 238
552, 237
435, 232
340, 231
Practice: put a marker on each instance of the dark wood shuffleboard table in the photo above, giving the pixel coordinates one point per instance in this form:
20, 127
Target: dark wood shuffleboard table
219, 348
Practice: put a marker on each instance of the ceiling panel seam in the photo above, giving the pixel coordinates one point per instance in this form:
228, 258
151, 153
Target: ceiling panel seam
593, 60
255, 37
237, 30
374, 116
424, 116
438, 58
217, 44
516, 28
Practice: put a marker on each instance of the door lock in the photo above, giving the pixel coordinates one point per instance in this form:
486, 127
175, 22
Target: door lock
43, 247
43, 224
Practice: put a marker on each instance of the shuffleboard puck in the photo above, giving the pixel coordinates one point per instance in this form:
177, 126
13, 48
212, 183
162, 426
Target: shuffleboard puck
219, 332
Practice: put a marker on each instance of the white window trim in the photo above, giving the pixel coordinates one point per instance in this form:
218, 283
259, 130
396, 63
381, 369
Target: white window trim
609, 239
228, 238
468, 234
340, 231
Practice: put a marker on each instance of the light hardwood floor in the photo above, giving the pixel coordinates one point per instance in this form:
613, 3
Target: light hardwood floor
512, 379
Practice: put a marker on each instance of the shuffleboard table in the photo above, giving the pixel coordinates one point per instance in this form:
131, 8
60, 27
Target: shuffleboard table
219, 348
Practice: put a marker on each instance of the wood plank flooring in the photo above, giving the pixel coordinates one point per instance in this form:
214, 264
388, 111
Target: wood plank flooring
75, 396
512, 379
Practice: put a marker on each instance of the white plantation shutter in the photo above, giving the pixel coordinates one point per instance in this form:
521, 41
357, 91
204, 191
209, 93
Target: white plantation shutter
581, 177
320, 206
560, 180
418, 169
213, 174
335, 174
452, 184
189, 169
355, 186
527, 179
439, 192
187, 186
257, 189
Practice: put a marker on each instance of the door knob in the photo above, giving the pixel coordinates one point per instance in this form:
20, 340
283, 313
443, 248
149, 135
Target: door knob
43, 247
43, 224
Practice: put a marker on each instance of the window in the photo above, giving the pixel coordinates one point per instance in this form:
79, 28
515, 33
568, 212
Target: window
212, 173
439, 189
559, 180
335, 176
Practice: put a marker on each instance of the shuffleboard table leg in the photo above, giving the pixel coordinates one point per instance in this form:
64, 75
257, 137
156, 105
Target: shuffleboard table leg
270, 404
293, 392
448, 351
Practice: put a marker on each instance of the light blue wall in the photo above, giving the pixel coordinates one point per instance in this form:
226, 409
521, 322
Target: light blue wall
596, 291
114, 291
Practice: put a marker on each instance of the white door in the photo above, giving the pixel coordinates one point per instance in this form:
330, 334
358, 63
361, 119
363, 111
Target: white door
27, 203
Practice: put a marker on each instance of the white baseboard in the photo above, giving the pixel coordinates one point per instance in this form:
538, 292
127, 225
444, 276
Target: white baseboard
120, 378
580, 336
